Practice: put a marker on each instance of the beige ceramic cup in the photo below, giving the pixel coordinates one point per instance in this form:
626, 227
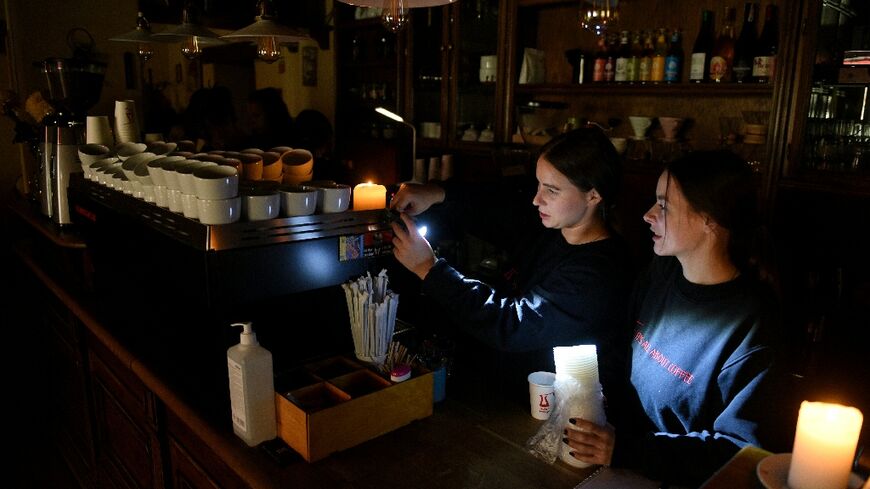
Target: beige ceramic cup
252, 166
272, 166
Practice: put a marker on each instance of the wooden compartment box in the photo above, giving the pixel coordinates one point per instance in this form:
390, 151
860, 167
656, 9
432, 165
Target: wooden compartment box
338, 403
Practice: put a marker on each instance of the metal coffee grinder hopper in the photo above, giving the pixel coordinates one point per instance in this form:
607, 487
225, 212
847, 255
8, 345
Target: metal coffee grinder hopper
74, 86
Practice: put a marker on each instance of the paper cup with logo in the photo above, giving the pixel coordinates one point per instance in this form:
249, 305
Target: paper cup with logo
542, 394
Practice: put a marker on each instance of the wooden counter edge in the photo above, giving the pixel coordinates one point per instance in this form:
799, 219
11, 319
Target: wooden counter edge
234, 456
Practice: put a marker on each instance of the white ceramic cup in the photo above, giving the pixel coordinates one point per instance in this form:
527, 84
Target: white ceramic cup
542, 394
89, 153
188, 206
260, 205
333, 198
219, 211
298, 200
216, 182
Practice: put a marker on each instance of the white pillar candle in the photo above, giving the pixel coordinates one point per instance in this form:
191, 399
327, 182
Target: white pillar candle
369, 196
824, 446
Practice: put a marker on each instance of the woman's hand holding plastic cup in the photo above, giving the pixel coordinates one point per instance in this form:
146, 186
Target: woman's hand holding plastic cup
589, 442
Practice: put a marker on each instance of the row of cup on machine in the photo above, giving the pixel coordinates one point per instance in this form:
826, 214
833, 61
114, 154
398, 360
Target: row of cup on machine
281, 164
210, 192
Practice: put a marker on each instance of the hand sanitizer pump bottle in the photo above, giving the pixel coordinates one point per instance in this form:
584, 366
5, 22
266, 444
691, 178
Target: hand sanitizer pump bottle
252, 390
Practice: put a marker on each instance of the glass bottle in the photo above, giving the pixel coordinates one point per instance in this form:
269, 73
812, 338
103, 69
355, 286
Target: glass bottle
657, 71
764, 62
674, 58
744, 49
622, 55
632, 71
722, 59
610, 61
600, 59
645, 70
700, 59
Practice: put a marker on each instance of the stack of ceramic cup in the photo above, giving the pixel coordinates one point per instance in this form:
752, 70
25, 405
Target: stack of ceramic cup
577, 374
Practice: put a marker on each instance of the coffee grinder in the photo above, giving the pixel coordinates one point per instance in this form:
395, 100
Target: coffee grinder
74, 86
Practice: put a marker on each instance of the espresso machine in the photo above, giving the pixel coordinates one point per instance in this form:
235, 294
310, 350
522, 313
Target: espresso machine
74, 86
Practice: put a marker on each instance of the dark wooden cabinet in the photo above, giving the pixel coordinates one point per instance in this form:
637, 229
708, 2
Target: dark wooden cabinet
185, 472
127, 443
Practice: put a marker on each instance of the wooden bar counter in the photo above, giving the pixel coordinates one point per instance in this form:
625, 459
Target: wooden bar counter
123, 417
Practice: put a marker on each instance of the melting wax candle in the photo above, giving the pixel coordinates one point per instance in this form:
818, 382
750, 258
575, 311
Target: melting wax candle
824, 446
369, 196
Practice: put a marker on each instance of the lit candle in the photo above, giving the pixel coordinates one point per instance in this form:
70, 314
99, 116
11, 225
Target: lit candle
824, 446
369, 196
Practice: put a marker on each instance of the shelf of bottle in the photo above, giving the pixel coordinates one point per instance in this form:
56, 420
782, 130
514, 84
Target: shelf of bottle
668, 89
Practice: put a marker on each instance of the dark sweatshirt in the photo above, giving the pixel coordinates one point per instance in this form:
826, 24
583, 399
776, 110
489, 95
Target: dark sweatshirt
558, 294
702, 367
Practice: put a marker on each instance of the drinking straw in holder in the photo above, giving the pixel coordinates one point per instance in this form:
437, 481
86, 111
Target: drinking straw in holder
372, 310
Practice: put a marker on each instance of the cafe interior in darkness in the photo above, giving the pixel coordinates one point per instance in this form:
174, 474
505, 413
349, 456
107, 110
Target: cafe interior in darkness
119, 292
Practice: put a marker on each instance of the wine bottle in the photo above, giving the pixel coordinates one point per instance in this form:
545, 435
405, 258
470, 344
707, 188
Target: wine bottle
600, 60
610, 61
744, 49
632, 71
645, 69
674, 58
622, 56
700, 58
722, 58
764, 63
657, 73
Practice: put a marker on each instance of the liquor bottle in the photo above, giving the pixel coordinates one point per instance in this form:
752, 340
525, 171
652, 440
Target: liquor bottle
700, 59
610, 61
622, 54
600, 60
674, 58
645, 70
765, 57
744, 49
657, 72
722, 58
632, 71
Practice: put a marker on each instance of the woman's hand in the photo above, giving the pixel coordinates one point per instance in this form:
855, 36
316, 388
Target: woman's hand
415, 198
411, 249
589, 442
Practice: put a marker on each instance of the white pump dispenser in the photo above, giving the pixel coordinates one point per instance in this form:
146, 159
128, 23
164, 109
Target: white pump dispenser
252, 390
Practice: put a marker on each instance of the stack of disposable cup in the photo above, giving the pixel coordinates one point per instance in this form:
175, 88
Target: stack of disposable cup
126, 122
97, 130
584, 399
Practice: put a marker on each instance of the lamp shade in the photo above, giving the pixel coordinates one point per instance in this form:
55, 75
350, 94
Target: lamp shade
267, 28
185, 31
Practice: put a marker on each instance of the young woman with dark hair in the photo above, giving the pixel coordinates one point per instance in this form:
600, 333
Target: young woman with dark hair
706, 333
571, 273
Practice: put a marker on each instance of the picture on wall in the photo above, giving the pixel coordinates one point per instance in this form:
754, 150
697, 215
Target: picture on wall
309, 66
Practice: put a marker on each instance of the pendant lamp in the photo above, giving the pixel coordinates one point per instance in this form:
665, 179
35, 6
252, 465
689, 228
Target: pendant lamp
394, 13
141, 35
598, 15
267, 34
192, 35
